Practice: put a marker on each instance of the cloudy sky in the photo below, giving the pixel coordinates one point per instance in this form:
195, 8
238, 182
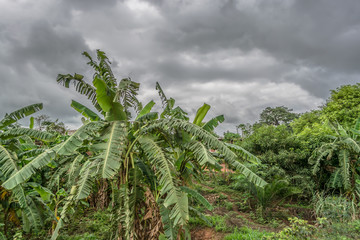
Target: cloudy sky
239, 56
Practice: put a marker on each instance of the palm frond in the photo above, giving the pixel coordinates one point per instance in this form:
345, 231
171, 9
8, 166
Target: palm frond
201, 216
127, 214
336, 180
102, 68
350, 142
162, 95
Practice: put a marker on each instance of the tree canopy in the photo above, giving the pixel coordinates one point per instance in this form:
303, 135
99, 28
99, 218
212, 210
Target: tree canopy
277, 115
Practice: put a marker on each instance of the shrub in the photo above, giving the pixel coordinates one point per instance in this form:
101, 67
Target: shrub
334, 208
219, 222
298, 230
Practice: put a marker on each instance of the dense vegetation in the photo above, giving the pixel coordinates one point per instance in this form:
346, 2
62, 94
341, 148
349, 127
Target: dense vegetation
131, 173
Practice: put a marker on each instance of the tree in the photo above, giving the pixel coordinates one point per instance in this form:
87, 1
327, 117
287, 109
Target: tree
343, 106
44, 122
276, 116
246, 129
306, 121
140, 159
339, 157
16, 147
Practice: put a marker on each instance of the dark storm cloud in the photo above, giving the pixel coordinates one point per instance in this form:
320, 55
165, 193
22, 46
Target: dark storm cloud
239, 56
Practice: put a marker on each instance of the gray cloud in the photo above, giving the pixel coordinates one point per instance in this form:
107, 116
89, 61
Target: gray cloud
239, 56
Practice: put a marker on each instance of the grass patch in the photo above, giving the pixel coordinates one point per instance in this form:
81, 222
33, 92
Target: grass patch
246, 233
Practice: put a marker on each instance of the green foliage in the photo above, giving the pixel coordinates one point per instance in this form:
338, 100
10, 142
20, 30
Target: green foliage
307, 121
298, 230
220, 223
86, 112
334, 208
145, 164
267, 195
339, 157
228, 205
19, 114
343, 106
246, 233
230, 137
277, 116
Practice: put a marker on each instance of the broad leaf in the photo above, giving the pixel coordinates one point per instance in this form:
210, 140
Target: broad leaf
86, 112
200, 114
114, 149
19, 114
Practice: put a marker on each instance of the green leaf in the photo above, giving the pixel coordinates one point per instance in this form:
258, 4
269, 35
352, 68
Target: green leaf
201, 153
210, 141
200, 114
86, 112
86, 181
31, 126
114, 149
11, 133
44, 193
80, 86
126, 93
244, 153
29, 207
19, 114
345, 167
75, 141
198, 197
116, 113
8, 164
213, 123
104, 95
169, 230
28, 170
174, 198
145, 110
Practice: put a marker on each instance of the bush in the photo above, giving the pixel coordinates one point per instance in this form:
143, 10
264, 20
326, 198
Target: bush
334, 208
219, 222
299, 230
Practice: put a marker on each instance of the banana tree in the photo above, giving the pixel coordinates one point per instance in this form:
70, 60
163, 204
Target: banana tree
16, 147
341, 156
136, 157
